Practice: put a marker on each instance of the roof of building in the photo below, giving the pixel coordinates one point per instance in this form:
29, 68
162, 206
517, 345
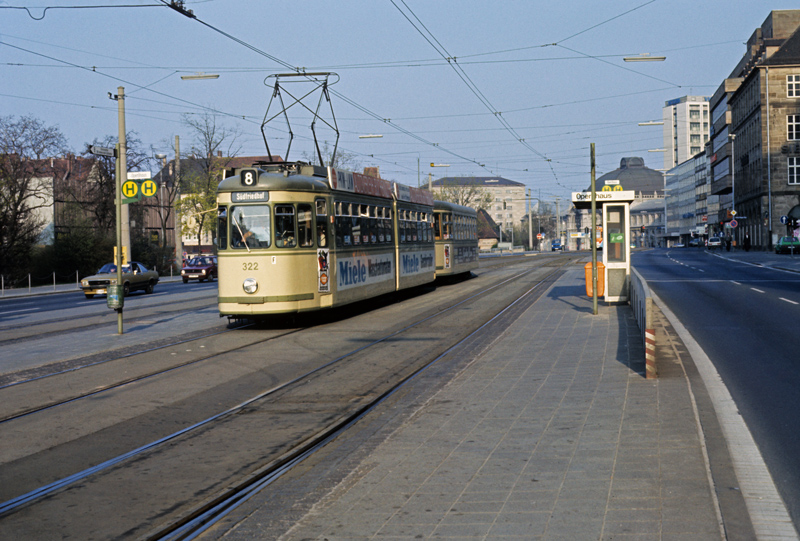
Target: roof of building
487, 228
486, 182
633, 175
788, 53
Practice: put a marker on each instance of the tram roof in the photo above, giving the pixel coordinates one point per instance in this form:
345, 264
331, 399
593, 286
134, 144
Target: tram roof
302, 177
453, 207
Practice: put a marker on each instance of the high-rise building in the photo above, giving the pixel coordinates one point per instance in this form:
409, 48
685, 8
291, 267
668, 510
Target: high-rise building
686, 128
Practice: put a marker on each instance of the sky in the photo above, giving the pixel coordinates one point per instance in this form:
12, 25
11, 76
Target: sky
517, 89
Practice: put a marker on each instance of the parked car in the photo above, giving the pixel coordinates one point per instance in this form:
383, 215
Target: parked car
200, 268
555, 246
135, 276
695, 242
714, 242
787, 245
678, 245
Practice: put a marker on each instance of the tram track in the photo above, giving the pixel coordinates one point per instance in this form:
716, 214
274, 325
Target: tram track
286, 453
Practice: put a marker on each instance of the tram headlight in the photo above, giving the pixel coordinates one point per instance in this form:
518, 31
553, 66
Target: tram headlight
250, 285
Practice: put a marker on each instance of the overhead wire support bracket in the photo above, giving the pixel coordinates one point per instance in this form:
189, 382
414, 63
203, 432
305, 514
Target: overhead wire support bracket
178, 5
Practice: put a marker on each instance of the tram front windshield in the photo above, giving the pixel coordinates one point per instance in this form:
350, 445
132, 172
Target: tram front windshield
250, 227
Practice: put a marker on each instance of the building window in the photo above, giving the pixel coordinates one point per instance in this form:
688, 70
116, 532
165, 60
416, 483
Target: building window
793, 86
794, 170
695, 139
793, 127
694, 126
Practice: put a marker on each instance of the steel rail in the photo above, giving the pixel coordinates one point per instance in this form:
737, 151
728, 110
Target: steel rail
14, 504
203, 519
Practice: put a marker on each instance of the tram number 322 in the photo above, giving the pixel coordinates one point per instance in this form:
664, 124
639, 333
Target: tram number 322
250, 266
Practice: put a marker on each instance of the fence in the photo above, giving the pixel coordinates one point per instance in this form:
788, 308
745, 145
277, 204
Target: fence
29, 282
644, 312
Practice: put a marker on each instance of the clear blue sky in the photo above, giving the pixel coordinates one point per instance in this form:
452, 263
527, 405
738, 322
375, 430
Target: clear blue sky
552, 70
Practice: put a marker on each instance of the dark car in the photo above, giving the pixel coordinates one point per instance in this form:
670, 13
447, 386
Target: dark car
201, 268
695, 242
134, 276
787, 245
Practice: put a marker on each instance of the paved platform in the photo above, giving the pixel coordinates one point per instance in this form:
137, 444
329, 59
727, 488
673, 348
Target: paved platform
551, 432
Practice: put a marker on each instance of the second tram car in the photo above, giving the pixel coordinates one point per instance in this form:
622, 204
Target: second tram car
293, 237
455, 229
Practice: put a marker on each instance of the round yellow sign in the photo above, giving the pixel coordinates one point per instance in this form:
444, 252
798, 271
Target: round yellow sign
130, 188
149, 188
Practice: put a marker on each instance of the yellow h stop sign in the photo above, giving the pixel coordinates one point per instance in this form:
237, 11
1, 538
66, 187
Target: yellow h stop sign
149, 188
130, 189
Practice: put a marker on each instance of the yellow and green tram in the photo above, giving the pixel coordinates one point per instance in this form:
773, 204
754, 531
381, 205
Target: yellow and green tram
456, 238
293, 237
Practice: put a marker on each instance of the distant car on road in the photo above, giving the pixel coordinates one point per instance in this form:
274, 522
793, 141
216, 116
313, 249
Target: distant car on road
786, 245
695, 242
678, 245
714, 242
556, 245
200, 268
135, 276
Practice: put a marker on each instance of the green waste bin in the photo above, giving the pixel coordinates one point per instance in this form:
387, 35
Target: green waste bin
115, 297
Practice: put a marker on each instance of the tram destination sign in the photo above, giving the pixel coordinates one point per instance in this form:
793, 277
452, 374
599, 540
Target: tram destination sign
249, 197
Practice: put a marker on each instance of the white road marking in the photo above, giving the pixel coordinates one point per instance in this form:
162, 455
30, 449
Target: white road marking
757, 290
18, 311
789, 301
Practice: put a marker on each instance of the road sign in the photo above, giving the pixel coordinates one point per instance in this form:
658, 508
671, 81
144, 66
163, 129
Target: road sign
733, 213
539, 236
149, 188
734, 223
139, 175
101, 151
130, 189
784, 220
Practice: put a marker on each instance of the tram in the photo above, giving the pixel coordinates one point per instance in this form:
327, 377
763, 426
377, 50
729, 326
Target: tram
455, 230
294, 237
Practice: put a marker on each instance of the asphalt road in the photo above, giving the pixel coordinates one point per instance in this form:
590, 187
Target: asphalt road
746, 320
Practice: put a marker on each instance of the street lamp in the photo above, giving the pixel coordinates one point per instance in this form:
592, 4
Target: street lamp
370, 136
644, 57
200, 76
652, 123
430, 177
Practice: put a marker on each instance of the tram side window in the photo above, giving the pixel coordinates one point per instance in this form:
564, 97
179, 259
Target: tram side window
387, 224
222, 228
284, 226
305, 230
447, 229
250, 227
322, 223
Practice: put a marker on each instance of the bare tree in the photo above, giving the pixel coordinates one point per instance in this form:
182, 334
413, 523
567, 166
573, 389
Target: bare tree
468, 195
25, 186
201, 172
342, 160
97, 198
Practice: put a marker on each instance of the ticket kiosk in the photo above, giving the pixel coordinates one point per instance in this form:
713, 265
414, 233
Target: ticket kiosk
616, 211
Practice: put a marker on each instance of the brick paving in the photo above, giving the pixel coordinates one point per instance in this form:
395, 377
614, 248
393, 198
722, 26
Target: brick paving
552, 433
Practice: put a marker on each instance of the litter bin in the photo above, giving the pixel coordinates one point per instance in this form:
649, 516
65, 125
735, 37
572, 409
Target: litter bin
601, 283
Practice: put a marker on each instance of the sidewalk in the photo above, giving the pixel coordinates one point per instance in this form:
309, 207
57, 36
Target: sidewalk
551, 433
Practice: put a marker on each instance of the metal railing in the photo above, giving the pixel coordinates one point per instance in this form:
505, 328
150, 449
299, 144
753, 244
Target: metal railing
643, 311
